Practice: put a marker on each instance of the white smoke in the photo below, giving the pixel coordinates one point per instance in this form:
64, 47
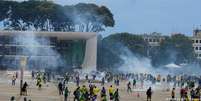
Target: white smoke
38, 49
133, 63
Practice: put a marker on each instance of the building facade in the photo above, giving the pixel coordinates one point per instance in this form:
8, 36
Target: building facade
154, 39
197, 42
48, 49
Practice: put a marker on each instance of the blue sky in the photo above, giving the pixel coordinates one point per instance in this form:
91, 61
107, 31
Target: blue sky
145, 16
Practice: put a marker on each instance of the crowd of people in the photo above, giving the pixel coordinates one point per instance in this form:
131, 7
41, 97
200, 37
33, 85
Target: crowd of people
189, 87
91, 92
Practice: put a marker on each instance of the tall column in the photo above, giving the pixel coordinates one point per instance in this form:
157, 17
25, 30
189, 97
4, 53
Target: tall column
90, 59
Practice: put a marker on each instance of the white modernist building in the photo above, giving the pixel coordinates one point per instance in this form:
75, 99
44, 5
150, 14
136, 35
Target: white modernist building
90, 56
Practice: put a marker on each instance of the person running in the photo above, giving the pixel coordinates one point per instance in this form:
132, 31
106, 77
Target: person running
129, 90
134, 83
76, 94
96, 90
24, 89
66, 93
103, 94
84, 93
149, 94
60, 88
173, 93
39, 81
111, 92
87, 96
116, 95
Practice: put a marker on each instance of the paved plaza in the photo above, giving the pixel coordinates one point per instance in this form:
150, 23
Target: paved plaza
49, 91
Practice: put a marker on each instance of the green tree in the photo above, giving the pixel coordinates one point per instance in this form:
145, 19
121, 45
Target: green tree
48, 16
89, 17
135, 43
112, 47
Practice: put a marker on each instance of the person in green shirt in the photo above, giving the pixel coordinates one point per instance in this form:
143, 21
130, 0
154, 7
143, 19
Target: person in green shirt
66, 93
103, 94
116, 95
134, 83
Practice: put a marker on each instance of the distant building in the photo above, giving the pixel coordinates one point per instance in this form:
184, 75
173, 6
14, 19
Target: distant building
197, 42
154, 39
176, 33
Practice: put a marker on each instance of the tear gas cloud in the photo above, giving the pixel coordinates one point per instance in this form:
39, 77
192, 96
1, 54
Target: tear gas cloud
133, 63
38, 49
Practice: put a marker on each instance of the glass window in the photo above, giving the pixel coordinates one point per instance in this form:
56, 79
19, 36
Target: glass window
196, 41
196, 48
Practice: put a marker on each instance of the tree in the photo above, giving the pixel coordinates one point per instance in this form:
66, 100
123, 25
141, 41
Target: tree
89, 17
135, 43
112, 47
48, 16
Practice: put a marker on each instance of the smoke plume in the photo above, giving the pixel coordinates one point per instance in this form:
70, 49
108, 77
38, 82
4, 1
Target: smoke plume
39, 51
133, 63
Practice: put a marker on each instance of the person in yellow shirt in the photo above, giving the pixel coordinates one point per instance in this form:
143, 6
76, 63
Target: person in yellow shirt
84, 89
111, 92
96, 90
186, 97
196, 99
